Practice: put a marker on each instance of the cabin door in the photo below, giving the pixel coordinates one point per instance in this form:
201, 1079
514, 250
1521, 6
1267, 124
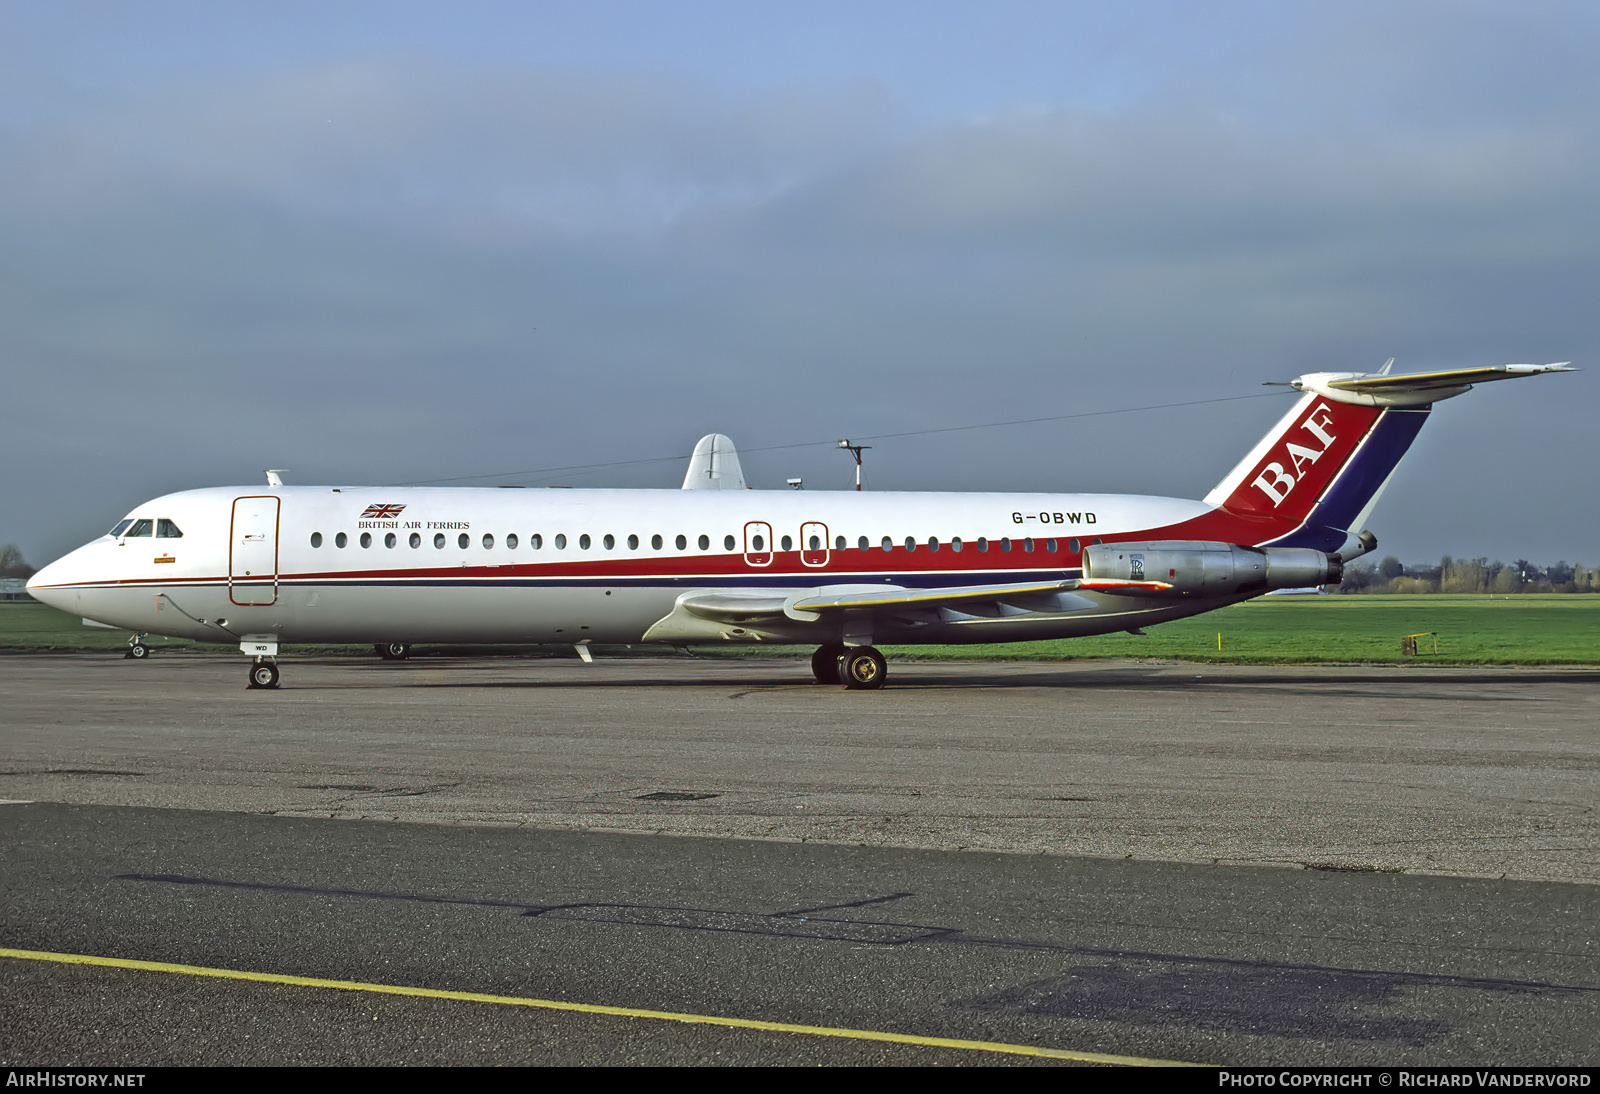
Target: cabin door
253, 551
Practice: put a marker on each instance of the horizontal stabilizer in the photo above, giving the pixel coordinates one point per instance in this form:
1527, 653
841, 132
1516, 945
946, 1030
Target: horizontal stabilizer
1417, 389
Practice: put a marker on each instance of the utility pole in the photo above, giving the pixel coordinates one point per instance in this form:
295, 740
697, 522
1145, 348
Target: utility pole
855, 450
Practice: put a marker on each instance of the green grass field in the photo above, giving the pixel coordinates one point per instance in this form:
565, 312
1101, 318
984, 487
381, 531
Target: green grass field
1526, 630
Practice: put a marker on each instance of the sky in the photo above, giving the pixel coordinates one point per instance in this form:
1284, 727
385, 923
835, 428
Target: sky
556, 243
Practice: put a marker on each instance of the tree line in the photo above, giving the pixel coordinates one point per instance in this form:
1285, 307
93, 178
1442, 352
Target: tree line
12, 564
1468, 575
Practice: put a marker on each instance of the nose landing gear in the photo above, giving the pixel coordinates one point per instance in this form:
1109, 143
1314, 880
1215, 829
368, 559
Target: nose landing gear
263, 651
137, 650
264, 674
393, 651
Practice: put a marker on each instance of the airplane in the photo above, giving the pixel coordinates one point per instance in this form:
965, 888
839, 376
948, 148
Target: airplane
716, 562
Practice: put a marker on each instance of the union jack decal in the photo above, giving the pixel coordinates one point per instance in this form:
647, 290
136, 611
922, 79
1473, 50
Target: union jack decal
380, 512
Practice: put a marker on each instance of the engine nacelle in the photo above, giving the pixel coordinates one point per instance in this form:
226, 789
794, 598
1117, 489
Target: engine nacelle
1198, 568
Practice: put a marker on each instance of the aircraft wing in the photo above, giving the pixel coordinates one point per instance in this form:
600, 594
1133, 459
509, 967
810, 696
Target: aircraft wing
1451, 378
810, 605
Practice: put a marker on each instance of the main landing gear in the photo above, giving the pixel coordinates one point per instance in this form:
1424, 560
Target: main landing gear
393, 651
859, 668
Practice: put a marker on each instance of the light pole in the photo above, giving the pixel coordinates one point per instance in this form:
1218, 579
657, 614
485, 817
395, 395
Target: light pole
855, 450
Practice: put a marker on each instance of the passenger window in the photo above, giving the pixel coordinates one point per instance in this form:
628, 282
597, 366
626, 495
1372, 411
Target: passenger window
682, 543
888, 544
1005, 545
316, 539
416, 540
911, 544
488, 542
655, 542
389, 540
728, 543
340, 540
366, 539
814, 544
757, 544
165, 529
933, 544
438, 540
511, 541
955, 544
1073, 546
704, 542
610, 541
633, 543
584, 541
787, 544
122, 526
839, 543
1027, 545
1096, 541
1050, 546
862, 544
561, 541
983, 545
140, 528
536, 541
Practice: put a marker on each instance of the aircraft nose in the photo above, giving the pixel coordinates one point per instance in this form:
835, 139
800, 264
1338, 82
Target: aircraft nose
46, 586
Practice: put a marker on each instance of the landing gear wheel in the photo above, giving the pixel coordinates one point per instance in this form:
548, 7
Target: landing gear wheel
137, 652
862, 668
393, 651
263, 674
825, 664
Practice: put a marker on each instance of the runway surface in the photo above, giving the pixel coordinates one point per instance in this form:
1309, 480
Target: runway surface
1040, 855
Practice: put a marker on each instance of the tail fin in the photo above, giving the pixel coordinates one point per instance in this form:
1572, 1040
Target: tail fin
1313, 480
714, 465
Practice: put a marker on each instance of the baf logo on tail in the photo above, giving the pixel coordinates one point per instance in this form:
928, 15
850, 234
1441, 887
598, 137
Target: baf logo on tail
1274, 481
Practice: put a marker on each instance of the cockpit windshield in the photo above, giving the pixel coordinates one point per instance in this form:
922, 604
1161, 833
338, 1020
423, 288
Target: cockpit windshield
122, 526
140, 528
165, 529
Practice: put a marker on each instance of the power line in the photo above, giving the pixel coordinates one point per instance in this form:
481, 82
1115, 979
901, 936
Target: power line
834, 443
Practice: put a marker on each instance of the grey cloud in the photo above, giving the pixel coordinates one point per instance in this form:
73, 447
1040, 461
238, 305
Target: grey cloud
470, 149
483, 271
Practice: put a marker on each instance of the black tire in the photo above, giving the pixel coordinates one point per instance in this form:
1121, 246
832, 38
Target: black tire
138, 651
825, 664
394, 651
263, 674
863, 669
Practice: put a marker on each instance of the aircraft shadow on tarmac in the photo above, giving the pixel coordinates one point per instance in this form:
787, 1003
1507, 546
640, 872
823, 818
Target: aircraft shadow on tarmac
1233, 995
929, 677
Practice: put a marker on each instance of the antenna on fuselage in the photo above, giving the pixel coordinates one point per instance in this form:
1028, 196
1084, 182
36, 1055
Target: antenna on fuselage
275, 478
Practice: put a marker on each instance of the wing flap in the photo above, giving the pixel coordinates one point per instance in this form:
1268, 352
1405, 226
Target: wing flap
885, 599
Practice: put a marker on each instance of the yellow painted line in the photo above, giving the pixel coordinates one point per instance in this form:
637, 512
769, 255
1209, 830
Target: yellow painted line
591, 1008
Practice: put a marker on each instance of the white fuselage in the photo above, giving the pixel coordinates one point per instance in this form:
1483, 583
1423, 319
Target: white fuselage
356, 564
